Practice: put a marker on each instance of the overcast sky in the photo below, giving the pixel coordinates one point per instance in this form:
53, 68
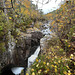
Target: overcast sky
50, 6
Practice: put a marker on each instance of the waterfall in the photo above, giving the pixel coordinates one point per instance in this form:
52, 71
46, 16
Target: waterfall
37, 51
33, 57
11, 45
45, 31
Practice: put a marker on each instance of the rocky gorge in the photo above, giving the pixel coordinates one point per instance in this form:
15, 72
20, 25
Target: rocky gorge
26, 43
24, 46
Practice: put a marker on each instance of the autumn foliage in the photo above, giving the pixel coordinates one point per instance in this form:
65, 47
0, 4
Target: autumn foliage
63, 23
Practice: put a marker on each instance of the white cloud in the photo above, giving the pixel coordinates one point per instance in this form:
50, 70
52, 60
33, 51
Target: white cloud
52, 5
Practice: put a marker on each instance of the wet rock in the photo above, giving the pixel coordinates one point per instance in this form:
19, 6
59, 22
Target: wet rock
37, 35
44, 43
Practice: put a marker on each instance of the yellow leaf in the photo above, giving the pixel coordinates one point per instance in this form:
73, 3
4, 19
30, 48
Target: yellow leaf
65, 72
69, 45
27, 74
55, 70
33, 73
10, 18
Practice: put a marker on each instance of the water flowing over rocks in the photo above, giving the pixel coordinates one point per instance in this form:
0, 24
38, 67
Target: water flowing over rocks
48, 35
45, 28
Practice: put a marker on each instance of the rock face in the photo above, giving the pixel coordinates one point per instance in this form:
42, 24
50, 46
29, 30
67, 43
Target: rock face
44, 43
35, 41
25, 46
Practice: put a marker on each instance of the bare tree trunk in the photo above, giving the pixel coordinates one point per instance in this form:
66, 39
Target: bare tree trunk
9, 33
5, 11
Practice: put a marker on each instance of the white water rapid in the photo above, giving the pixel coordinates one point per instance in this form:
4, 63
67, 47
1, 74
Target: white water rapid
46, 29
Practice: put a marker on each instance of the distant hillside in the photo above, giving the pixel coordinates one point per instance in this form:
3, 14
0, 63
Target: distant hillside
63, 24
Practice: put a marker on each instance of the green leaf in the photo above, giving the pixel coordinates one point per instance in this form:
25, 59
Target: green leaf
1, 28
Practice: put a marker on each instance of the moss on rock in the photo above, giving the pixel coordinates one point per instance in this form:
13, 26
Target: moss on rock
2, 47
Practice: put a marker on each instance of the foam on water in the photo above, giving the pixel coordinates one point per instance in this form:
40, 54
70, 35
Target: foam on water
17, 70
